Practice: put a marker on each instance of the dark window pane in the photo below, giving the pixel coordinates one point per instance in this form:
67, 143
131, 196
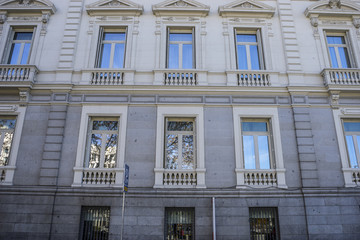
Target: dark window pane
105, 125
254, 126
7, 123
246, 38
94, 223
352, 126
335, 39
23, 36
114, 36
180, 126
264, 223
179, 223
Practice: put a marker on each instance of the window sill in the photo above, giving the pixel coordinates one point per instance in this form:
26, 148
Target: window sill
98, 177
18, 75
251, 78
189, 178
263, 178
341, 76
180, 77
7, 175
107, 76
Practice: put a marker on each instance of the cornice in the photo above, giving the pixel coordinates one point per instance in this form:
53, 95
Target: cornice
181, 7
27, 6
114, 8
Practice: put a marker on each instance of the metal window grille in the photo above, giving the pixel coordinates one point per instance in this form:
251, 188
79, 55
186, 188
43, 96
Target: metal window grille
94, 224
179, 223
264, 224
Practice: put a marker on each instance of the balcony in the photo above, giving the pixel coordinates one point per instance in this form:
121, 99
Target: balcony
6, 174
107, 77
98, 177
249, 78
179, 178
180, 77
341, 76
352, 177
17, 75
260, 178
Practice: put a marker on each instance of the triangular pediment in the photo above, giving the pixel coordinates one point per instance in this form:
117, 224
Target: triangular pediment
246, 8
180, 7
114, 7
333, 8
27, 6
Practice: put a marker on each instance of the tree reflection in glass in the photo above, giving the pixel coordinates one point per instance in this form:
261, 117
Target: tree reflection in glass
7, 127
110, 151
187, 152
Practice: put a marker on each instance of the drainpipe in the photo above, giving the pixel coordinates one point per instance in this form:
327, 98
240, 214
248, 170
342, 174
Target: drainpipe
214, 218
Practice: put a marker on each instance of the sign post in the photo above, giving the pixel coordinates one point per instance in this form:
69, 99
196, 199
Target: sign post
126, 185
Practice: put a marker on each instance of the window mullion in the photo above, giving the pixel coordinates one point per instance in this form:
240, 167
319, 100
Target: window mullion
180, 157
357, 150
102, 150
112, 53
180, 55
248, 56
256, 146
21, 51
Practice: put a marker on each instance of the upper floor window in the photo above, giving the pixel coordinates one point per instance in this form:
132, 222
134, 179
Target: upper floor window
338, 47
7, 129
111, 53
180, 50
248, 50
352, 138
20, 47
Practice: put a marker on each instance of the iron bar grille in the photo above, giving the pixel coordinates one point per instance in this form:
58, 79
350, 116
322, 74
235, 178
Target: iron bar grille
179, 223
264, 224
94, 223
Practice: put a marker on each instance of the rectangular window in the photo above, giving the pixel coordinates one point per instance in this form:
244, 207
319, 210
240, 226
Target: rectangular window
179, 143
20, 46
352, 138
111, 49
179, 223
264, 223
94, 223
248, 50
102, 143
256, 143
338, 47
180, 49
7, 129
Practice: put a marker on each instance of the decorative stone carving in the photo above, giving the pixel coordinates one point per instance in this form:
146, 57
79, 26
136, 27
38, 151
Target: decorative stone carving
246, 8
3, 18
181, 4
114, 3
356, 22
24, 96
314, 21
180, 7
334, 4
335, 96
114, 8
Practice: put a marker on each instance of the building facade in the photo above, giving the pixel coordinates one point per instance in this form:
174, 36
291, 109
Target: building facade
239, 119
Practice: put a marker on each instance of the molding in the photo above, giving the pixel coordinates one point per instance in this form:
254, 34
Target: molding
333, 8
114, 8
28, 6
181, 7
247, 8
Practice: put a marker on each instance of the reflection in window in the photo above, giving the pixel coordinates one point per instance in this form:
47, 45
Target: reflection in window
264, 223
352, 138
102, 144
20, 48
94, 223
179, 223
7, 128
112, 50
256, 144
248, 51
338, 51
180, 49
179, 143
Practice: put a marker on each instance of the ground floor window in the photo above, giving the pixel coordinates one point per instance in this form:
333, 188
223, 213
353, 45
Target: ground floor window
94, 223
264, 224
179, 223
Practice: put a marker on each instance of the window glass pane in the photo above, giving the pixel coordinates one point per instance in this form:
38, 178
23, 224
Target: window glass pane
344, 57
249, 152
110, 151
179, 223
254, 126
6, 147
335, 39
180, 126
187, 152
7, 123
242, 59
264, 156
352, 126
173, 56
254, 55
172, 152
187, 61
264, 224
25, 54
246, 38
95, 223
105, 56
105, 125
334, 62
114, 36
95, 149
119, 55
351, 152
183, 37
14, 53
23, 36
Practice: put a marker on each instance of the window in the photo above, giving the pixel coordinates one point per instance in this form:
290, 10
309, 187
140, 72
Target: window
338, 50
180, 49
179, 143
102, 146
94, 223
248, 50
7, 129
179, 223
111, 48
20, 47
256, 143
352, 139
264, 223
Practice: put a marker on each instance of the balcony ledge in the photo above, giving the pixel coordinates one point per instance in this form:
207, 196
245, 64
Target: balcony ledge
18, 75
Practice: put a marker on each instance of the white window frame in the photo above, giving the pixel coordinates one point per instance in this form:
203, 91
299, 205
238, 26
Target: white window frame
105, 111
17, 112
347, 46
258, 43
22, 42
271, 114
194, 112
340, 115
171, 30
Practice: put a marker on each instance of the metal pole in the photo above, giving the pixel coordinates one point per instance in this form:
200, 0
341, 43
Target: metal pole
122, 213
214, 218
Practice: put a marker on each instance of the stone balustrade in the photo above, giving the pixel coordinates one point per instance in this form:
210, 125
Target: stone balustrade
180, 178
111, 177
341, 76
17, 74
262, 178
253, 79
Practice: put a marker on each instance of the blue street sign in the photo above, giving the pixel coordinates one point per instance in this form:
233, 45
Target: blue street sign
126, 178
